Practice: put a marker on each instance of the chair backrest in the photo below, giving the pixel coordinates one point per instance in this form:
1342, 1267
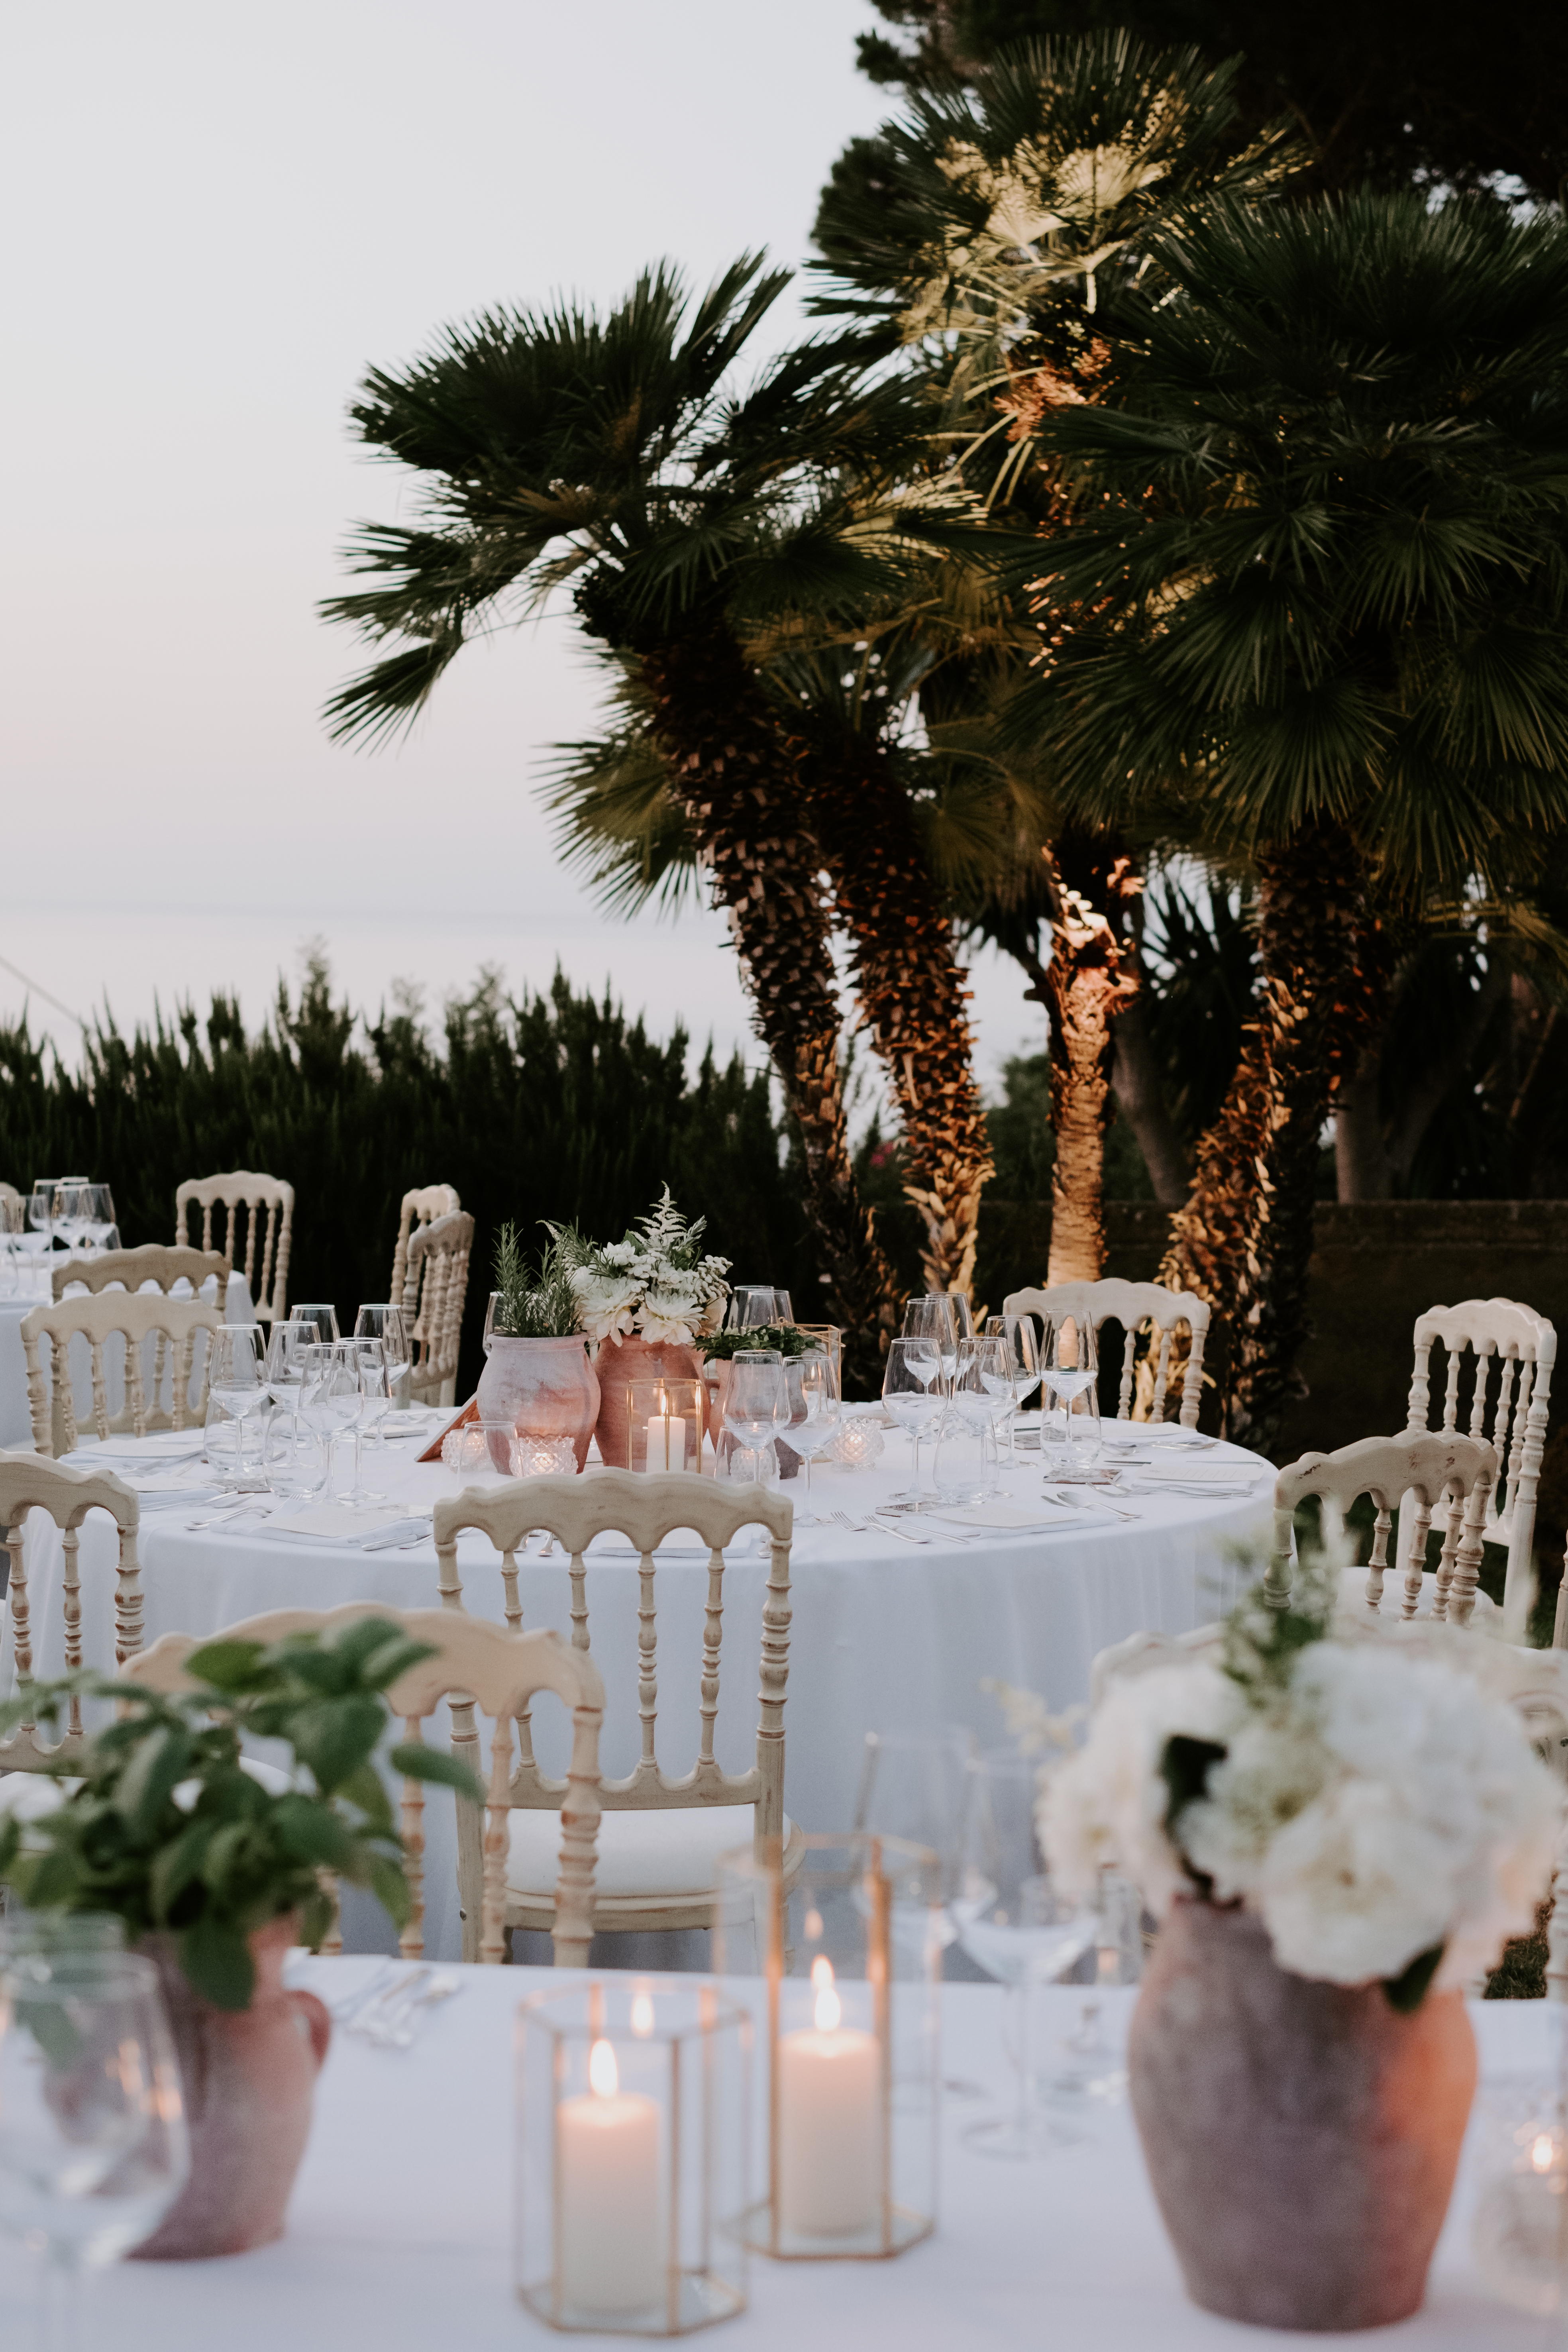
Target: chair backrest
435, 1284
8, 1192
1424, 1470
474, 1662
134, 1314
422, 1206
243, 1189
644, 1509
1512, 1418
129, 1268
1132, 1304
30, 1482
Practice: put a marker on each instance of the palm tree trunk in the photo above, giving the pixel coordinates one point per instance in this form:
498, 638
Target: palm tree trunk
912, 991
1244, 1238
737, 775
1090, 977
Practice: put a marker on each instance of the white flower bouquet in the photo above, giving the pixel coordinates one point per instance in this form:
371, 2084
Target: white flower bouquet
653, 1282
1382, 1815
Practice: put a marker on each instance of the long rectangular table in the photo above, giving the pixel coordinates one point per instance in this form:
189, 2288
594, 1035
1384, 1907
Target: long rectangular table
399, 2231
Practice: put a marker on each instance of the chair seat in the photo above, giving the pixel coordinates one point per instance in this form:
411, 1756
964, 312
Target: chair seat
29, 1796
673, 1851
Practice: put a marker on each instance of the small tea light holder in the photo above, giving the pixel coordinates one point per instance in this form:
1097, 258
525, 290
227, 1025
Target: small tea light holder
664, 1424
538, 1457
633, 2137
478, 1449
848, 1950
859, 1442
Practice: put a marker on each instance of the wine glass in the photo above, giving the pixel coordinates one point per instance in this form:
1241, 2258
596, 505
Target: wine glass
390, 1326
13, 1213
1015, 1922
369, 1360
1069, 1373
1018, 1330
753, 1306
756, 1409
73, 1207
917, 1785
236, 1387
93, 2147
323, 1318
814, 1415
328, 1398
912, 1395
981, 1396
41, 1214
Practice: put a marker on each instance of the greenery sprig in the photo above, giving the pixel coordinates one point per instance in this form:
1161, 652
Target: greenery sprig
718, 1347
537, 1300
167, 1830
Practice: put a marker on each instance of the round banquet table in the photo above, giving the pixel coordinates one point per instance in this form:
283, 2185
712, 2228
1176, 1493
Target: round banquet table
885, 1633
15, 1421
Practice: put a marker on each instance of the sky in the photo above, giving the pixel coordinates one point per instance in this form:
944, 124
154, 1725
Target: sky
217, 219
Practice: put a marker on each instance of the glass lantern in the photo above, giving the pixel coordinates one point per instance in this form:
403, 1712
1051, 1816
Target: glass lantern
633, 2135
664, 1424
848, 1949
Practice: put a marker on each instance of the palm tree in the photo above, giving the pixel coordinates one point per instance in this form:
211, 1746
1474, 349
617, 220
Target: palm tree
1311, 607
609, 454
997, 221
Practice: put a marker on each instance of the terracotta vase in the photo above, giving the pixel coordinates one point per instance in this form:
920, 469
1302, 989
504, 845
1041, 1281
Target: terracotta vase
543, 1388
1302, 2138
634, 1359
248, 2077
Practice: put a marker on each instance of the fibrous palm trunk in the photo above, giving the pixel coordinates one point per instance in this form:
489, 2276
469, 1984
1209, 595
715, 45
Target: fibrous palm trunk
912, 991
1244, 1238
1092, 976
738, 777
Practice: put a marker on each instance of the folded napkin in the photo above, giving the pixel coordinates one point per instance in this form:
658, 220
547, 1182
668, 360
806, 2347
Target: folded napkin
1209, 1473
335, 1522
1007, 1519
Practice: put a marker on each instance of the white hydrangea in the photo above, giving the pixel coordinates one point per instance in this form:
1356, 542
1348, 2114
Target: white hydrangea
1379, 1805
651, 1282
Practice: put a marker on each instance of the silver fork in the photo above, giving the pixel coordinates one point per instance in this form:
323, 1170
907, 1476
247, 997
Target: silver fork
235, 1511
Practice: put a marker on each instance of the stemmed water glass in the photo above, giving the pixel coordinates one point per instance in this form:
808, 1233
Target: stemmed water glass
1018, 1331
321, 1317
12, 1213
100, 1223
982, 1397
390, 1326
912, 1393
41, 1214
1069, 1373
917, 1785
330, 1398
369, 1357
236, 1387
1015, 1922
813, 1415
293, 1460
93, 2147
756, 1408
757, 1307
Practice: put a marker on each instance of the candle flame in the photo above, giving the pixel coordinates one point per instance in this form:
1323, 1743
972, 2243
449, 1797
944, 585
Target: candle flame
642, 2014
1540, 2153
603, 2072
829, 2009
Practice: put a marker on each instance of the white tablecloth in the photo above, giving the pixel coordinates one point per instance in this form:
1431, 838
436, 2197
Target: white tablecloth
885, 1634
399, 2231
15, 1421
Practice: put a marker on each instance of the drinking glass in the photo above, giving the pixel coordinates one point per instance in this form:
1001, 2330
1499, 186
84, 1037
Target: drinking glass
32, 1934
1015, 1922
236, 1387
1069, 1373
101, 1224
917, 1785
41, 1216
323, 1318
328, 1398
73, 1204
491, 1306
911, 1392
390, 1326
756, 1409
754, 1307
1018, 1330
813, 1415
13, 1213
93, 2148
982, 1396
369, 1357
295, 1460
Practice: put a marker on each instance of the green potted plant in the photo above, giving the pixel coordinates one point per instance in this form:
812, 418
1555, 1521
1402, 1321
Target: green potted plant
217, 1871
537, 1379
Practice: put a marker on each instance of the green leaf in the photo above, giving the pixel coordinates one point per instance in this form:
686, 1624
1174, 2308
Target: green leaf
156, 1770
216, 1959
315, 1914
229, 1666
417, 1762
389, 1884
334, 1737
1407, 1991
365, 1789
310, 1832
175, 1867
385, 1663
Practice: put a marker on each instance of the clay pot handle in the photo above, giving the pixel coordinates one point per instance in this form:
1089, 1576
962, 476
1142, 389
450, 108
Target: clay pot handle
317, 2020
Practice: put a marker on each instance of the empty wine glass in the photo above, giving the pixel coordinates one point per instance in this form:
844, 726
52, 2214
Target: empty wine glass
390, 1326
981, 1396
813, 1415
41, 1216
236, 1387
1018, 1330
328, 1398
756, 1409
754, 1307
369, 1357
1015, 1922
1069, 1373
323, 1318
13, 1213
917, 1785
93, 2147
912, 1393
103, 1227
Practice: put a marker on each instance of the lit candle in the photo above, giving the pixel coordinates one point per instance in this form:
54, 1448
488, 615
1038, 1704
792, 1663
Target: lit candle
611, 2237
830, 2122
667, 1442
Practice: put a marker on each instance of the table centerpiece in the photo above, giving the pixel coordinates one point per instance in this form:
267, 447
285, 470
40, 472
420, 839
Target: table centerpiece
216, 1871
1338, 1828
652, 1299
537, 1380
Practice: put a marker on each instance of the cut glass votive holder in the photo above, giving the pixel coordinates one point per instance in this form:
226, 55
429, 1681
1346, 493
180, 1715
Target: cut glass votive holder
664, 1424
632, 2138
841, 1947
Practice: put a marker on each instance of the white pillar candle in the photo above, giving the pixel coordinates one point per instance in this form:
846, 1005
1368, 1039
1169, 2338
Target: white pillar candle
830, 2122
607, 2194
667, 1442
